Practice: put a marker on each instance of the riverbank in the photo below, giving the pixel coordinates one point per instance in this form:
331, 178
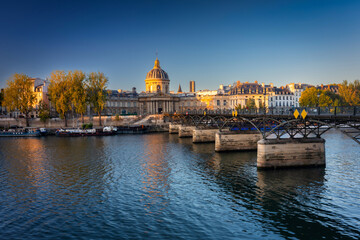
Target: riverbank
73, 122
125, 124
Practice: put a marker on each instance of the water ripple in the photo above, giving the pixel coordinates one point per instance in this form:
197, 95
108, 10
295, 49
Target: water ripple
158, 186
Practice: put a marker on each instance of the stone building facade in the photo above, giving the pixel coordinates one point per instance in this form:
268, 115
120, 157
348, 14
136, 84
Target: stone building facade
158, 99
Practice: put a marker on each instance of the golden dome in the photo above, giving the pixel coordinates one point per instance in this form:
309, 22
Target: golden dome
157, 72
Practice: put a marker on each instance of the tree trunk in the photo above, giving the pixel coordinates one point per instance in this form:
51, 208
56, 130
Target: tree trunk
99, 118
27, 120
65, 119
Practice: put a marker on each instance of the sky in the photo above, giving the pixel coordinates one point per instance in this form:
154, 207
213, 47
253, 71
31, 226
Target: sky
210, 42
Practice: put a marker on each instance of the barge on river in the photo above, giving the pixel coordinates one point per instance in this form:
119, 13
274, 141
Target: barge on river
106, 131
22, 132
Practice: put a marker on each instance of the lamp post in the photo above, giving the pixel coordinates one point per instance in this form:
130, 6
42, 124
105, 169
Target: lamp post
318, 98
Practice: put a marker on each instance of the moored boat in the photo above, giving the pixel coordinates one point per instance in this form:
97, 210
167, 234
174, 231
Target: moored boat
106, 131
22, 132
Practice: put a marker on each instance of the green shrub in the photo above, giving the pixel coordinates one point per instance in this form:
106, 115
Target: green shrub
87, 126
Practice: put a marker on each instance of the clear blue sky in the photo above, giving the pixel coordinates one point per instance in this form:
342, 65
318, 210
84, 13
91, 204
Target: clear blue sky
211, 42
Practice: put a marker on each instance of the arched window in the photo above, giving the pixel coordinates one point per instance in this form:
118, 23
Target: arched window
158, 88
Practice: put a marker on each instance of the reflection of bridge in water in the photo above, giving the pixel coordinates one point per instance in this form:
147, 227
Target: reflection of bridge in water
283, 137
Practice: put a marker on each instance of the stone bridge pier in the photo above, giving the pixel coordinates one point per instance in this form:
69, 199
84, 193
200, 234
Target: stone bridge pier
298, 152
186, 131
174, 128
236, 140
201, 135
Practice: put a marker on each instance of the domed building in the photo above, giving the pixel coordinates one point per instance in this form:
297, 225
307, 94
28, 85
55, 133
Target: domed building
157, 80
157, 98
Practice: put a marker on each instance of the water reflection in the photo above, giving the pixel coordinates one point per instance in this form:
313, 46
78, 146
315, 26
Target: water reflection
286, 201
155, 174
25, 160
51, 174
285, 182
80, 170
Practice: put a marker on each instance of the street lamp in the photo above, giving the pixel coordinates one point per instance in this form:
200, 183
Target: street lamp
318, 110
318, 98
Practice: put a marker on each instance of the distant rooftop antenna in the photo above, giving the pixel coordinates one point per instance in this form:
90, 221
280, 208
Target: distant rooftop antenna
156, 53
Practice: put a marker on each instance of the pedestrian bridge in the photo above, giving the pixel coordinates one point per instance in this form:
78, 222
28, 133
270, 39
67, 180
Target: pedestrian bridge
283, 137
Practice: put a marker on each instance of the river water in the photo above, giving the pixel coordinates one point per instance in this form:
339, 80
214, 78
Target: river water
158, 186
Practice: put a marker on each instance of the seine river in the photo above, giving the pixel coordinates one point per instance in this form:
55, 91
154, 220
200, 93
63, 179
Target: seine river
158, 186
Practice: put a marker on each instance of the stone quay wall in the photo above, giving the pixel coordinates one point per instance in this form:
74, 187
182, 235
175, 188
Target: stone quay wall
73, 122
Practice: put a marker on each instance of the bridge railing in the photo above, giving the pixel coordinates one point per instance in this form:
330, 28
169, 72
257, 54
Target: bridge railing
285, 111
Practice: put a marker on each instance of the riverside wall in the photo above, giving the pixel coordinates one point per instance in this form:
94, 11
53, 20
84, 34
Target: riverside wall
59, 123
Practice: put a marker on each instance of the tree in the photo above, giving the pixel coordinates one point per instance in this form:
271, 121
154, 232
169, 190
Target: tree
19, 94
1, 101
79, 97
261, 104
309, 97
250, 104
350, 92
238, 107
97, 83
44, 112
1, 98
325, 100
60, 93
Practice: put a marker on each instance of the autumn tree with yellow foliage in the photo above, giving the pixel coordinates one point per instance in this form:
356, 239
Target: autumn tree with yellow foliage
97, 84
60, 93
350, 92
79, 96
19, 95
313, 97
349, 95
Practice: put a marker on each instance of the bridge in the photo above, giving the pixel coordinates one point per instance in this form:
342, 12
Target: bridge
283, 137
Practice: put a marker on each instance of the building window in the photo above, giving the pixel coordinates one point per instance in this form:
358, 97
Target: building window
224, 102
218, 102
